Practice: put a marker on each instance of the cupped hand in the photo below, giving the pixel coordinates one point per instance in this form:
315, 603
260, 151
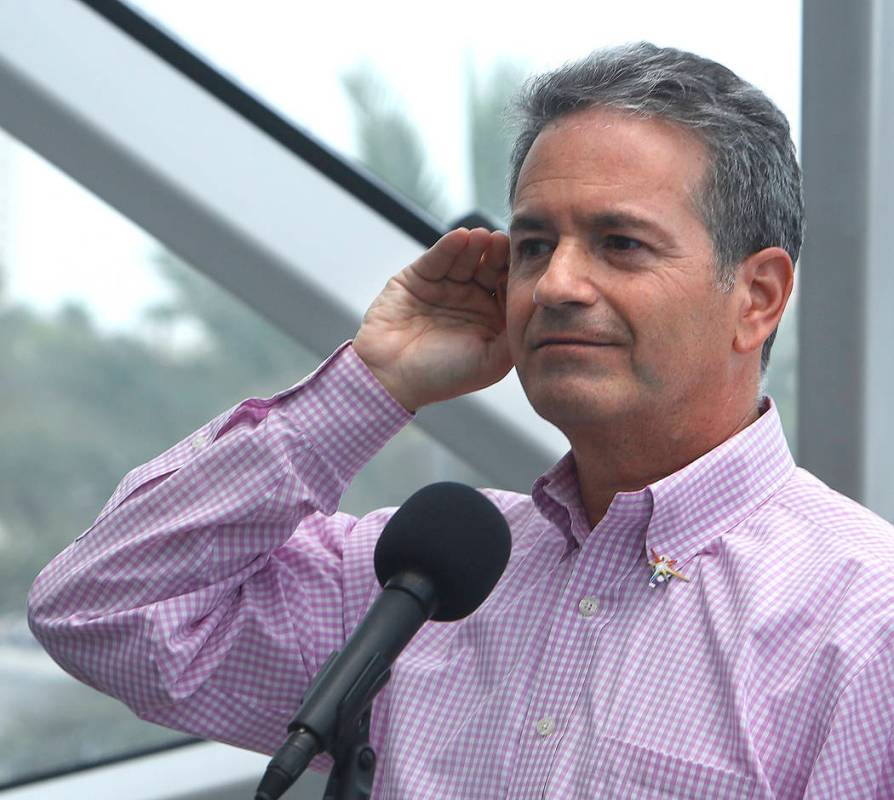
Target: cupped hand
437, 330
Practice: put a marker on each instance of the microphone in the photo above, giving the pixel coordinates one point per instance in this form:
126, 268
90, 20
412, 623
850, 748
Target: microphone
438, 557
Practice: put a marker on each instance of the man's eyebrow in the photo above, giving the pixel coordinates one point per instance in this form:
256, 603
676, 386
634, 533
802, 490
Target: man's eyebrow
623, 219
527, 222
608, 219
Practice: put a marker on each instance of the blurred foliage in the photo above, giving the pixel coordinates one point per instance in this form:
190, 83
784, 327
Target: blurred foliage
79, 408
393, 149
490, 139
389, 145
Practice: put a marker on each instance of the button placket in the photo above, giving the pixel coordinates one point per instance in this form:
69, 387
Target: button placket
576, 631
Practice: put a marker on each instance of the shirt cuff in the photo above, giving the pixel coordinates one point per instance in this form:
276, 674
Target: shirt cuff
341, 409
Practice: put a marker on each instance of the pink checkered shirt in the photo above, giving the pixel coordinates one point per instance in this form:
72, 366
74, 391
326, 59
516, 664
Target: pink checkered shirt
219, 577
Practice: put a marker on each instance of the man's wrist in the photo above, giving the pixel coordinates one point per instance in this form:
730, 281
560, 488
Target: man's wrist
393, 387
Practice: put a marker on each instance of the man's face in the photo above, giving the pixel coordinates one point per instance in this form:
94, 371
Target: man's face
611, 306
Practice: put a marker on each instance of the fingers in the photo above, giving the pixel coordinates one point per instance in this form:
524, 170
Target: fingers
436, 262
466, 264
463, 255
494, 262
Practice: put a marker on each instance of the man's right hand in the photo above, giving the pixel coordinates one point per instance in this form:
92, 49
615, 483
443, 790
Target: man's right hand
437, 330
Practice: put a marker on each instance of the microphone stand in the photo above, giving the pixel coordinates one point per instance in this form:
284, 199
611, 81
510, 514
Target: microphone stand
355, 762
352, 774
335, 712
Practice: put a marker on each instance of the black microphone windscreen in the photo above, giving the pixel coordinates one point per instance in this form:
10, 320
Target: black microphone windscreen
453, 535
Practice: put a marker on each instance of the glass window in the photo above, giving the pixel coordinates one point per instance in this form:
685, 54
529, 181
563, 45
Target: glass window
113, 351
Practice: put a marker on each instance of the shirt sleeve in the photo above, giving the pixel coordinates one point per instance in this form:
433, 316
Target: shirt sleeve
857, 756
219, 577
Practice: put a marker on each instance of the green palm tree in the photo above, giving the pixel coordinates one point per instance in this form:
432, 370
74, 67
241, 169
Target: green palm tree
391, 147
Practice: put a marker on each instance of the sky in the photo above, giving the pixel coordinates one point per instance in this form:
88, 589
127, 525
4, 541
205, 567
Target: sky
61, 243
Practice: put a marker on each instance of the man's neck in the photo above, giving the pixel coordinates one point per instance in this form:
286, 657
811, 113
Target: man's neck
627, 457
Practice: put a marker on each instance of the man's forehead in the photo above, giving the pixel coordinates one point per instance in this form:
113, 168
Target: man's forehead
605, 152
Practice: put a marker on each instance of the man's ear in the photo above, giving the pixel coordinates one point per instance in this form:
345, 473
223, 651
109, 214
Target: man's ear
764, 283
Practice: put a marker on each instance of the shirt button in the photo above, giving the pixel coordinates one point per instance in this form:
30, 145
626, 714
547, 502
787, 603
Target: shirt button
588, 606
545, 726
199, 441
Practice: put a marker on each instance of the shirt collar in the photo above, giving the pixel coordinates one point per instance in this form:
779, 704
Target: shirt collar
556, 494
683, 512
717, 491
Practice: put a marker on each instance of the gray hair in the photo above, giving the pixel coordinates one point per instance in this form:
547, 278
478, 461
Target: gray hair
751, 197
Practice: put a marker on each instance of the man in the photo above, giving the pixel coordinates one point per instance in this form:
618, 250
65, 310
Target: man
656, 218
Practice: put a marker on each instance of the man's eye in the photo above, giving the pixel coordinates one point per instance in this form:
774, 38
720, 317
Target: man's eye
615, 242
531, 248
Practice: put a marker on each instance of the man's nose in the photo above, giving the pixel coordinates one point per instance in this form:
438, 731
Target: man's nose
568, 278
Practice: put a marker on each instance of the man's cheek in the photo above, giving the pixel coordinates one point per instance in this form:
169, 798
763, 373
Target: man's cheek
652, 364
517, 316
648, 375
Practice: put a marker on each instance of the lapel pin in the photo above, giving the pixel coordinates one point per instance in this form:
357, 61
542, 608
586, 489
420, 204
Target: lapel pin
663, 570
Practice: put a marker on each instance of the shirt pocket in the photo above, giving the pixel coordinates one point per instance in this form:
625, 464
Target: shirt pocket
629, 772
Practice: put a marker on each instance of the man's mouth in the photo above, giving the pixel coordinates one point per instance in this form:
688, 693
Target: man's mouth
562, 341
